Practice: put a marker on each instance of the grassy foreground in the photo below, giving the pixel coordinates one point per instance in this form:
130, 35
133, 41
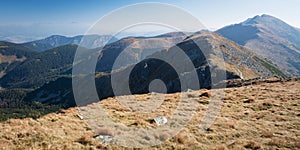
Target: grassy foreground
262, 116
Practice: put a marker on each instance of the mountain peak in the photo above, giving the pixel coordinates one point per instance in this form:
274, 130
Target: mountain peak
262, 19
271, 38
55, 37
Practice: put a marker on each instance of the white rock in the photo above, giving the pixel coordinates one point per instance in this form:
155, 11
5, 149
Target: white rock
79, 116
104, 139
189, 90
160, 120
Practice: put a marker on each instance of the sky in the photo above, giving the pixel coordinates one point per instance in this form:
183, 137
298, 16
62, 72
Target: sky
23, 20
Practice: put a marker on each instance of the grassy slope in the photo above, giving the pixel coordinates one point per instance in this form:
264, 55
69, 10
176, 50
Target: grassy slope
270, 67
262, 116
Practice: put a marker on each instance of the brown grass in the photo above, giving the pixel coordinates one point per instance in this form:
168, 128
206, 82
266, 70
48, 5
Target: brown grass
221, 147
103, 131
164, 136
267, 134
180, 138
270, 120
252, 145
85, 140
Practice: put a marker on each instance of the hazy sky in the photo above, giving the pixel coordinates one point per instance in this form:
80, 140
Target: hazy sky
40, 18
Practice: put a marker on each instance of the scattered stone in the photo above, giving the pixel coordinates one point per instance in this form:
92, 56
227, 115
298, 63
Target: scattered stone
160, 120
250, 100
230, 142
104, 139
189, 90
80, 117
153, 93
205, 94
203, 102
209, 130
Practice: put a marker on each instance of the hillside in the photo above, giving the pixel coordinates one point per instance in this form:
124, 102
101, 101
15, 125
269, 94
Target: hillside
131, 50
205, 58
51, 64
11, 55
12, 105
258, 116
271, 38
41, 68
239, 62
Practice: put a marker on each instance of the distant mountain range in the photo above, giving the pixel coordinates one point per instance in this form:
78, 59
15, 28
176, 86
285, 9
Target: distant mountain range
262, 46
94, 41
271, 38
18, 38
50, 64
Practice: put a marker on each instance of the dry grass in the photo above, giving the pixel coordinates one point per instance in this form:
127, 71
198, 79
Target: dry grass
263, 116
85, 140
180, 138
104, 131
10, 59
252, 145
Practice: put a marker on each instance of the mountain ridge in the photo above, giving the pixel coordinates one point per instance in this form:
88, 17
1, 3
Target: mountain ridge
131, 50
241, 61
269, 37
11, 55
92, 41
41, 68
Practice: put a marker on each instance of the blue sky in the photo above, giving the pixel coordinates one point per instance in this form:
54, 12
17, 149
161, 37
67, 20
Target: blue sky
40, 18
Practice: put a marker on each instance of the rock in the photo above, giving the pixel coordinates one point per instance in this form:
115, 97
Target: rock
250, 100
203, 102
160, 120
205, 94
80, 117
189, 90
230, 142
104, 139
